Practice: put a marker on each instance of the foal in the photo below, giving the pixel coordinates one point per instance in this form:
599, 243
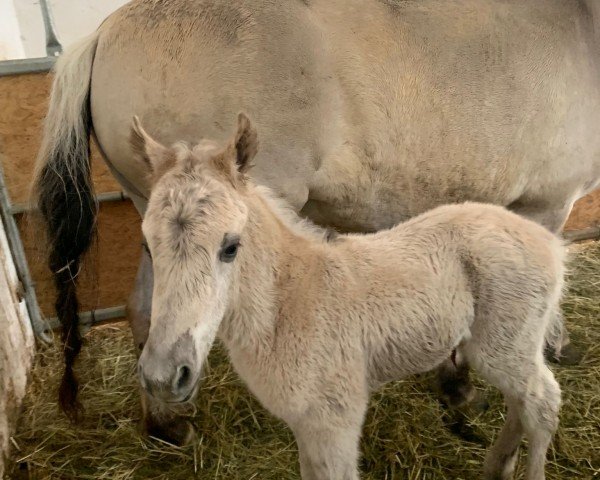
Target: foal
313, 325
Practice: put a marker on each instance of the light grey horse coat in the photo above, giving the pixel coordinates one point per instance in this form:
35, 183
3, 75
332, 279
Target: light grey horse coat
370, 111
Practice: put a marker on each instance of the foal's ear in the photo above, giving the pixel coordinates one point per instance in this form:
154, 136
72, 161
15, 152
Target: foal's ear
156, 157
245, 143
237, 157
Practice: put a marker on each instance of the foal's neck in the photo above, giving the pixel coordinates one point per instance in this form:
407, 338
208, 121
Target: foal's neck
271, 250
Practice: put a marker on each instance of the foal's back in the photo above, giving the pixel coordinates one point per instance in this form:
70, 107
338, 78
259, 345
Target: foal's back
486, 239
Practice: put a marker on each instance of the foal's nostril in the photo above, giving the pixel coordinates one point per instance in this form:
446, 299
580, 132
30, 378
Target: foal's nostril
183, 378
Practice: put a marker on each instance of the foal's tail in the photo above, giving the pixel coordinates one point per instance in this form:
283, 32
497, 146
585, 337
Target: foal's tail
64, 193
555, 329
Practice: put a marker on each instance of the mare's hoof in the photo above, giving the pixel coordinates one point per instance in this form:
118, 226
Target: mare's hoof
457, 396
479, 403
460, 410
179, 432
569, 355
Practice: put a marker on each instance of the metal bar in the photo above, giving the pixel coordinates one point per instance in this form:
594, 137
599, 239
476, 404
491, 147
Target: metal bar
40, 327
93, 317
18, 208
42, 64
592, 233
26, 65
53, 46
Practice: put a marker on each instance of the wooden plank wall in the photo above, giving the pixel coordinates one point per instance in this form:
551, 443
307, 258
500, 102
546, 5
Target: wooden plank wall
23, 103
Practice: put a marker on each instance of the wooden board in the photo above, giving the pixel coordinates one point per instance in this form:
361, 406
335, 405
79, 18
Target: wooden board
108, 276
16, 348
586, 212
23, 104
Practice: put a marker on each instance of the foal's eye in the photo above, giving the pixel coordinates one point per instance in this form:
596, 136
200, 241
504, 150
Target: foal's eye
229, 251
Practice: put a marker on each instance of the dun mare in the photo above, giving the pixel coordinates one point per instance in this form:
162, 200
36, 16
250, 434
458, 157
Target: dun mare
370, 112
313, 326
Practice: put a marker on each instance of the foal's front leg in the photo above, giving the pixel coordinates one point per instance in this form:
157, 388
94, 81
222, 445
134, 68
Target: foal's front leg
328, 452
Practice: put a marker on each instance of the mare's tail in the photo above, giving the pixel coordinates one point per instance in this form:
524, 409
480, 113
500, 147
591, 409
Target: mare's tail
64, 193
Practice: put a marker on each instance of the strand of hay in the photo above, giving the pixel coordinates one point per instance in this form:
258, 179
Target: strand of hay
404, 434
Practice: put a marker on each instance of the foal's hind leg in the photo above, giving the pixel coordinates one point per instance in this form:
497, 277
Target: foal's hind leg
554, 219
530, 389
160, 420
540, 419
501, 460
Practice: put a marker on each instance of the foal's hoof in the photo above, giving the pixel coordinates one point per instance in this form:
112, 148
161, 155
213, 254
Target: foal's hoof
178, 432
569, 355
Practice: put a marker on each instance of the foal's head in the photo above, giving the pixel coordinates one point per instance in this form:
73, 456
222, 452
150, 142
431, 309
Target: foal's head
194, 226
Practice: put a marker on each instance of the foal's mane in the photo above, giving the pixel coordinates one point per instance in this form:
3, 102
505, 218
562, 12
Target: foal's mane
295, 223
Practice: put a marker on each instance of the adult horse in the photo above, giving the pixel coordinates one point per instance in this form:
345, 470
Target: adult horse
369, 111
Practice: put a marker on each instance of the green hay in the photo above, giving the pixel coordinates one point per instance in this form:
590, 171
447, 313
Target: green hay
404, 435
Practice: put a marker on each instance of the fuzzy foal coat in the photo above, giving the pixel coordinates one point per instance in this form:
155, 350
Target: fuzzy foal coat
313, 326
364, 310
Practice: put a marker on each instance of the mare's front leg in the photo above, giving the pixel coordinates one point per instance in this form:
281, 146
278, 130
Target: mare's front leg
459, 396
454, 383
159, 419
328, 452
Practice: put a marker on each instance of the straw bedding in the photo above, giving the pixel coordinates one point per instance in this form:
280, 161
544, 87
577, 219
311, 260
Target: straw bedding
405, 434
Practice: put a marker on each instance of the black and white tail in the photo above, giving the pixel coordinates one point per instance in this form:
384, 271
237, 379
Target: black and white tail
65, 197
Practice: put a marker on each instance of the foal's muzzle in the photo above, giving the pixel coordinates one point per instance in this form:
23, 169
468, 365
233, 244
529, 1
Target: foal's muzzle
172, 375
179, 387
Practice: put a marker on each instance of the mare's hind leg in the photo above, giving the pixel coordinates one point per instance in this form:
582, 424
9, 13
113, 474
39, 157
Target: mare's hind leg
561, 350
159, 420
554, 220
454, 383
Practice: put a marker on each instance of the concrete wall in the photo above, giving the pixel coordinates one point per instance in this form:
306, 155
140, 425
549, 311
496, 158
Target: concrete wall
74, 19
11, 46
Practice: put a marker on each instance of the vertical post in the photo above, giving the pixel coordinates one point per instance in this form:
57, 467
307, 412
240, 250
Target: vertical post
40, 326
53, 46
